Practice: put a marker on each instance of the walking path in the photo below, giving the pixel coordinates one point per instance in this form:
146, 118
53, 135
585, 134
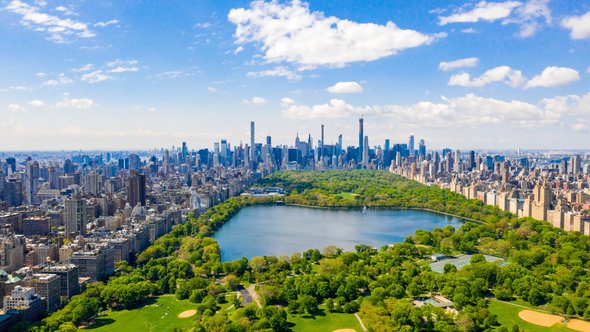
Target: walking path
360, 321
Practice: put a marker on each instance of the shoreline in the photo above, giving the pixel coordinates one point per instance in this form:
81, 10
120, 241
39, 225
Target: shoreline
385, 208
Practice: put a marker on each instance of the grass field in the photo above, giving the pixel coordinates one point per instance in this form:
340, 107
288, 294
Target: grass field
325, 322
508, 317
161, 315
348, 196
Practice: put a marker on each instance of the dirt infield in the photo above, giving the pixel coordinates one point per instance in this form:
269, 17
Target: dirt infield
539, 318
345, 330
579, 325
187, 314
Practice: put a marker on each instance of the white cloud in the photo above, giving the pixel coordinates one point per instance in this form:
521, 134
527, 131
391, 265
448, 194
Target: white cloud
95, 77
15, 108
483, 11
588, 70
276, 72
460, 63
554, 76
579, 26
255, 101
120, 69
468, 110
65, 10
212, 89
287, 101
509, 76
81, 103
59, 29
106, 23
119, 62
60, 80
37, 103
345, 87
293, 34
86, 67
528, 15
580, 127
469, 30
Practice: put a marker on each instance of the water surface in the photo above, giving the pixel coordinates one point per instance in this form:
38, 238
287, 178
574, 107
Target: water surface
283, 230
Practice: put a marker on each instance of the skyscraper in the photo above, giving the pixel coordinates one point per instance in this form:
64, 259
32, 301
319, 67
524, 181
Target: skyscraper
252, 146
136, 189
361, 136
75, 218
366, 151
184, 152
322, 144
411, 145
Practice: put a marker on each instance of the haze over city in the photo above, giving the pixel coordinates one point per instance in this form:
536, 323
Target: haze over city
138, 75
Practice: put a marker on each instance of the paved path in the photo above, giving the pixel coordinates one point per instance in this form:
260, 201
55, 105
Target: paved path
246, 297
254, 296
360, 321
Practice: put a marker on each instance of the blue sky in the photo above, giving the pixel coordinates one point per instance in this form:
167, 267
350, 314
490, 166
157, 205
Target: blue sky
144, 74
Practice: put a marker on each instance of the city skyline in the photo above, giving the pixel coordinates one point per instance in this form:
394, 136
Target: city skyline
481, 75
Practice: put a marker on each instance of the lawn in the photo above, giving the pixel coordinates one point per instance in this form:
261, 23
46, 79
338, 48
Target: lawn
348, 196
324, 322
508, 317
160, 315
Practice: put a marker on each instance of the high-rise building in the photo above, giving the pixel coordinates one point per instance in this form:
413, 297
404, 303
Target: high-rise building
184, 152
68, 275
47, 286
75, 216
321, 154
411, 145
422, 148
136, 189
361, 143
575, 164
252, 144
366, 151
25, 301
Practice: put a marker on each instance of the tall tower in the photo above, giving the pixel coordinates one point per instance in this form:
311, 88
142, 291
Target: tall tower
75, 218
321, 154
252, 146
411, 145
361, 136
136, 189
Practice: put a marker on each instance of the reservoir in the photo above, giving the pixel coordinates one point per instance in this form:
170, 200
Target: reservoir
284, 230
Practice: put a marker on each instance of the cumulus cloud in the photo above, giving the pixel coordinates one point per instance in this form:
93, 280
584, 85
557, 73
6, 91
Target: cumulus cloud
345, 87
95, 76
505, 74
276, 72
15, 108
579, 26
212, 89
471, 110
120, 69
80, 103
582, 127
554, 76
291, 33
37, 103
86, 67
528, 15
460, 63
549, 77
122, 66
287, 101
255, 101
59, 80
482, 11
58, 29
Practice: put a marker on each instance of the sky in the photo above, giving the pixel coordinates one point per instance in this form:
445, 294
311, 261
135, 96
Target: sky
131, 74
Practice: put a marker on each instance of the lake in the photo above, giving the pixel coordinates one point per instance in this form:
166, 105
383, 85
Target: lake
284, 230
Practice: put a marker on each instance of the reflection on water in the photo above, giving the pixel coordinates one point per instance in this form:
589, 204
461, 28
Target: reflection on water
283, 230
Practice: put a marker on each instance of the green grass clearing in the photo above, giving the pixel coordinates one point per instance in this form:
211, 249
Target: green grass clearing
161, 315
508, 317
324, 322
